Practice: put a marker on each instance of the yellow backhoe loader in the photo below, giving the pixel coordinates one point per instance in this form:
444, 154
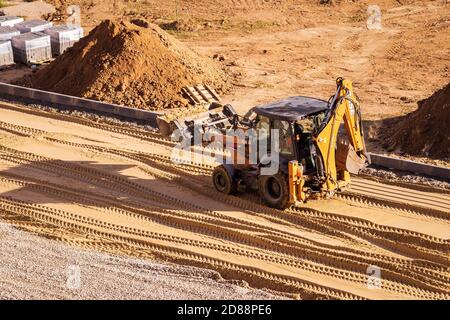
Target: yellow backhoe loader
315, 153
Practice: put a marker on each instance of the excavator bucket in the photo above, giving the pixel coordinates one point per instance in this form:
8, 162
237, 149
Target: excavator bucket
165, 127
347, 158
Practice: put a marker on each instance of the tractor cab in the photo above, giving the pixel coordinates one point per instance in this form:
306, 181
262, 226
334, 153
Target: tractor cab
287, 125
295, 119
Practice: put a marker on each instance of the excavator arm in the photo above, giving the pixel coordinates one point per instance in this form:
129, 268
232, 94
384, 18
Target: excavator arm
344, 107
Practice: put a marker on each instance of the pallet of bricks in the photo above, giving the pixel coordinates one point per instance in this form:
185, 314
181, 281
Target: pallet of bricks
6, 54
7, 33
33, 26
33, 47
63, 37
9, 21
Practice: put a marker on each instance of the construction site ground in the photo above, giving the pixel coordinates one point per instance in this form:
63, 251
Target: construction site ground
113, 188
33, 267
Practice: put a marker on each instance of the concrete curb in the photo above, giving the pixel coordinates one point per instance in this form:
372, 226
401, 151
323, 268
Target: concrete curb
411, 166
46, 97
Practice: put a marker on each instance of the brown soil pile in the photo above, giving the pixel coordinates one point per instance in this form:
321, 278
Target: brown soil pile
138, 66
426, 131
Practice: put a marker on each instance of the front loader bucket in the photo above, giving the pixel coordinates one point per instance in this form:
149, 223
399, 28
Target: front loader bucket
347, 158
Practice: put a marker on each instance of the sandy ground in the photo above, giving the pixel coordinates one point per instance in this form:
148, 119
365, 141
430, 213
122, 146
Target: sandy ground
293, 47
28, 9
115, 189
33, 267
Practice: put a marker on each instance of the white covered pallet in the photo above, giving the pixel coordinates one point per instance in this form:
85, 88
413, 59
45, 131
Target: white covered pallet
6, 33
33, 26
32, 47
63, 37
6, 54
9, 21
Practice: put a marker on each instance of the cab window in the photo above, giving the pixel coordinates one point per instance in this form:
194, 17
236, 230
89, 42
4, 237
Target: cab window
263, 129
285, 137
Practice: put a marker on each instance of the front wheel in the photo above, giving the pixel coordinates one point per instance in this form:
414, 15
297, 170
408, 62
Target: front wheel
222, 181
274, 190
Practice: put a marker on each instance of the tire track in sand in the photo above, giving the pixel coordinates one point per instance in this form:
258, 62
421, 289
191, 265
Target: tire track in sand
96, 226
247, 205
278, 247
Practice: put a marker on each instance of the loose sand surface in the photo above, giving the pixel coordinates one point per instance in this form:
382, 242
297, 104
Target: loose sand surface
113, 188
33, 267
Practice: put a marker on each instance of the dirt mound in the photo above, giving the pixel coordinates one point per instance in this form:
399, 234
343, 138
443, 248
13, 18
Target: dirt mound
426, 131
123, 63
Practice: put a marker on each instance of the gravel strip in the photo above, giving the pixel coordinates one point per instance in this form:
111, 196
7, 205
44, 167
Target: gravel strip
406, 177
33, 267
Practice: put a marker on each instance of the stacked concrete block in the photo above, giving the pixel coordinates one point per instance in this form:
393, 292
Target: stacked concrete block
63, 37
6, 33
33, 26
6, 54
9, 21
32, 47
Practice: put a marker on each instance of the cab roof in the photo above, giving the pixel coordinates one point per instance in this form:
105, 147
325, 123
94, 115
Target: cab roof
292, 109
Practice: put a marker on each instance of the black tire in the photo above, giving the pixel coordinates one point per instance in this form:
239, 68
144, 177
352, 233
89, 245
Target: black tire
274, 190
223, 182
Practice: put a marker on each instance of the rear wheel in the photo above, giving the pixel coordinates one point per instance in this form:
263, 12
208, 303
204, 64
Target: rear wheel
274, 190
223, 182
